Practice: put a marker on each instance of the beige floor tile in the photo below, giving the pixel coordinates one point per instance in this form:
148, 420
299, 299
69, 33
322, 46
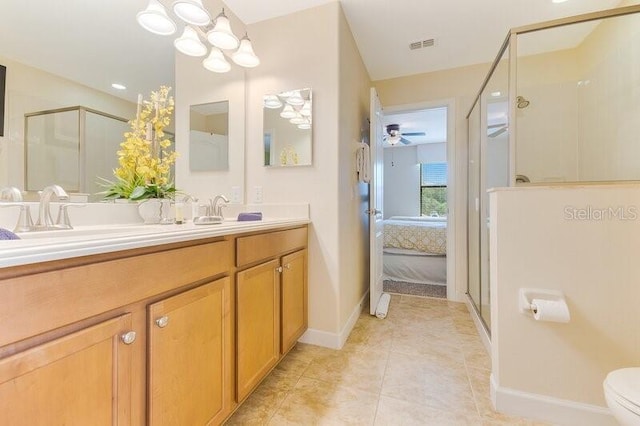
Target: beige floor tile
395, 412
355, 369
314, 402
265, 400
423, 365
428, 381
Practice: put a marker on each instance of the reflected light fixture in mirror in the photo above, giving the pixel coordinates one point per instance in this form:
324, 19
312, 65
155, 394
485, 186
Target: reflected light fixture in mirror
219, 34
287, 128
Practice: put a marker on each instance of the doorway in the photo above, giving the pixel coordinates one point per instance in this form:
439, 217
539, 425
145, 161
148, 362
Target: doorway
419, 196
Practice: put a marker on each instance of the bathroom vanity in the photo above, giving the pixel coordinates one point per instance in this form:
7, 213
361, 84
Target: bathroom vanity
172, 329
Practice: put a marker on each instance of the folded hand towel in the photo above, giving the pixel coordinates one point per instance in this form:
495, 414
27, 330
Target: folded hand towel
5, 234
244, 217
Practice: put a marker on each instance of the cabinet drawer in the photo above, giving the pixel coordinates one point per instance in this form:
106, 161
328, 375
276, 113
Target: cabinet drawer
33, 304
264, 246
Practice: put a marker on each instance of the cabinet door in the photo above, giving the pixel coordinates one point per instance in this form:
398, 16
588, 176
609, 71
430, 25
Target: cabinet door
190, 381
258, 324
80, 379
294, 298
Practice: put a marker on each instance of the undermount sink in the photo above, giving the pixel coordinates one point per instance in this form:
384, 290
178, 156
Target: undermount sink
88, 231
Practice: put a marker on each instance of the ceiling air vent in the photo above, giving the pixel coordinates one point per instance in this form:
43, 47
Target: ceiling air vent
420, 44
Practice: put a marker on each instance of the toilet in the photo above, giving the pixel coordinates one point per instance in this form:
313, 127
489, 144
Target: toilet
622, 393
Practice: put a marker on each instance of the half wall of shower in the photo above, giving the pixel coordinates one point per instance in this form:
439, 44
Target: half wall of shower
560, 105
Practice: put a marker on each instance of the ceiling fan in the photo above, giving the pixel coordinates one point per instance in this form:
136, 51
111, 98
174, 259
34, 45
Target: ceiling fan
394, 135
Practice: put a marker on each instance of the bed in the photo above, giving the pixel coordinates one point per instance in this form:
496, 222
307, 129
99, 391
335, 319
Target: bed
415, 250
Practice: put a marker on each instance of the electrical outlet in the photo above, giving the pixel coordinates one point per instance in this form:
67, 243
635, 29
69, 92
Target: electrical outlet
257, 194
235, 194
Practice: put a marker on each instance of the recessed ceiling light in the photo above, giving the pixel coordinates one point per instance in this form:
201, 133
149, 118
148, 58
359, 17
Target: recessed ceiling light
495, 94
119, 86
558, 1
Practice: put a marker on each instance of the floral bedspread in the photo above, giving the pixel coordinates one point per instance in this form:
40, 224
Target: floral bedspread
427, 237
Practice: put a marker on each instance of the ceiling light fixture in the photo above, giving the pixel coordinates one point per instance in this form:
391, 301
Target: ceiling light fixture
272, 101
155, 19
189, 43
288, 112
118, 86
558, 1
219, 34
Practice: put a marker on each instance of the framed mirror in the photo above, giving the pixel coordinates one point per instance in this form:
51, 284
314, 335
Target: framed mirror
288, 128
209, 137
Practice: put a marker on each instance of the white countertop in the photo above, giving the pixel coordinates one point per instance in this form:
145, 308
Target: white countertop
88, 240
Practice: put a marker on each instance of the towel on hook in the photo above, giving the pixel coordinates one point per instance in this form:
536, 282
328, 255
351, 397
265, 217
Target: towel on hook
363, 161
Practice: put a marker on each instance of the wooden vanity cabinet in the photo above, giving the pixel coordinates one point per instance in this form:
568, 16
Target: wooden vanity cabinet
271, 302
294, 299
190, 357
80, 379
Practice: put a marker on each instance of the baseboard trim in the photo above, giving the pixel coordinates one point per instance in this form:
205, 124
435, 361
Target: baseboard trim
334, 340
545, 408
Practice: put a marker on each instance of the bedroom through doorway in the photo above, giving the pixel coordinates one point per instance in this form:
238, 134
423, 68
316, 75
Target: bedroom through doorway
416, 208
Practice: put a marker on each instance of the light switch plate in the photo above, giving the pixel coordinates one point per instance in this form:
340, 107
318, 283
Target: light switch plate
235, 194
257, 194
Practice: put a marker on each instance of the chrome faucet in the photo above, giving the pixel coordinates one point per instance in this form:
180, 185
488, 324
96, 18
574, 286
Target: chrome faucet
45, 222
14, 196
11, 193
216, 206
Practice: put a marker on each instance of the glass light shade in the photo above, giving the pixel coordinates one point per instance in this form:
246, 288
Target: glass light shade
272, 101
295, 99
288, 112
306, 109
155, 19
298, 119
216, 61
393, 139
191, 12
221, 35
189, 43
244, 56
304, 126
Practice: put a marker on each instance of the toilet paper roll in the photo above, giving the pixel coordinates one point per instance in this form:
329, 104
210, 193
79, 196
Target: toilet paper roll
550, 310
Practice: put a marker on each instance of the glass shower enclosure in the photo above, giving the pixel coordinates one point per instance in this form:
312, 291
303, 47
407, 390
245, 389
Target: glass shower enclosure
560, 105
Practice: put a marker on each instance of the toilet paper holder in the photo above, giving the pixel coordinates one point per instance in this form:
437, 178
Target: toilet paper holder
526, 295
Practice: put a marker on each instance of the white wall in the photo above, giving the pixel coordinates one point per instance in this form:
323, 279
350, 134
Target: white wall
401, 182
551, 370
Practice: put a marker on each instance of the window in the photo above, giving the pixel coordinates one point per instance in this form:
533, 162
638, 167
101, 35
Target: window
433, 189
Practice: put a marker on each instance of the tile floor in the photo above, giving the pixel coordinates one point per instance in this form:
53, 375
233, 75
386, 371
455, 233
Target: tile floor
422, 365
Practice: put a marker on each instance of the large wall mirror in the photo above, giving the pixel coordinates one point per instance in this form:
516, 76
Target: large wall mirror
209, 137
288, 128
53, 70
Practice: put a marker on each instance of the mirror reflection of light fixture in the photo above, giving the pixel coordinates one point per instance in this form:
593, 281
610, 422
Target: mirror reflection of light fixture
192, 12
306, 109
298, 119
288, 112
304, 126
189, 43
216, 61
295, 99
156, 20
272, 101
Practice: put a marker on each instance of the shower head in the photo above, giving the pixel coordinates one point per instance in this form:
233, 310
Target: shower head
521, 102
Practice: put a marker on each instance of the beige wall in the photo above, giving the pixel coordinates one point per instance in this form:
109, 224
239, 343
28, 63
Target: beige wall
461, 85
353, 197
196, 85
289, 47
29, 90
536, 244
